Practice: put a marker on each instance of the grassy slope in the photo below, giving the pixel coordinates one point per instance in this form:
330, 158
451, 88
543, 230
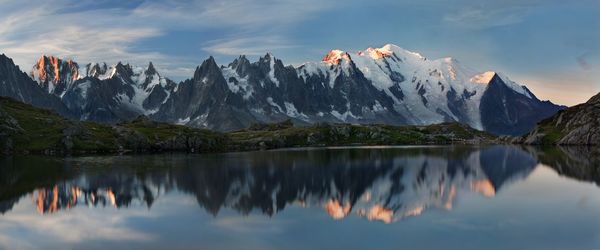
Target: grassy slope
39, 130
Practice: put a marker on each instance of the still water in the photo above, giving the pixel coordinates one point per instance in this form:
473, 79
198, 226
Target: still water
498, 197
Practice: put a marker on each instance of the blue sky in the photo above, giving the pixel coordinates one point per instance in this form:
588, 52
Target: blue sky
551, 46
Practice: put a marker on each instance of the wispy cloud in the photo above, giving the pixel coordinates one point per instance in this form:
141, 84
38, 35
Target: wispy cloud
247, 45
253, 27
89, 35
113, 30
481, 17
256, 14
76, 41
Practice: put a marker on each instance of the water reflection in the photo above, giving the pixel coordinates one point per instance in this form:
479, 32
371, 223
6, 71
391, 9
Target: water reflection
384, 184
581, 163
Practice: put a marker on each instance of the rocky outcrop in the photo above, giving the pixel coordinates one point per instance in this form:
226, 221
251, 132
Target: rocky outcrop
16, 84
577, 125
55, 75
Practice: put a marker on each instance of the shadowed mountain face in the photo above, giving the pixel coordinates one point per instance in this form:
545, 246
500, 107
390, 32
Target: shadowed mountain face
507, 112
377, 184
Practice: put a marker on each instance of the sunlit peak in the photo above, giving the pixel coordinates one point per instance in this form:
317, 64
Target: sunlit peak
377, 53
335, 57
483, 78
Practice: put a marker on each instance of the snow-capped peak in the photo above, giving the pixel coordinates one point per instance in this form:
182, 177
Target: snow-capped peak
336, 56
483, 78
513, 85
376, 53
486, 78
399, 51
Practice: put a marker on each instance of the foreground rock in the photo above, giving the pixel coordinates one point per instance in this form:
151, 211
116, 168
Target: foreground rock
577, 125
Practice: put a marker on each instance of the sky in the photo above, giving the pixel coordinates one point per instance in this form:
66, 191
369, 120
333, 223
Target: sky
550, 46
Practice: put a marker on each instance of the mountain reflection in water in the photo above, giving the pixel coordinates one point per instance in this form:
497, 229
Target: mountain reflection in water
379, 184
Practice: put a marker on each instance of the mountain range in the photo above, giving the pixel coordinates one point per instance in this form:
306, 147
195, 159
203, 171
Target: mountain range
387, 85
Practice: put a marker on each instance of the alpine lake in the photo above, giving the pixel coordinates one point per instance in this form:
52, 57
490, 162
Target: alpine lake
406, 197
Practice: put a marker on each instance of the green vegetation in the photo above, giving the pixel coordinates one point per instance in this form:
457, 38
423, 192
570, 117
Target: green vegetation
551, 135
346, 134
37, 128
25, 129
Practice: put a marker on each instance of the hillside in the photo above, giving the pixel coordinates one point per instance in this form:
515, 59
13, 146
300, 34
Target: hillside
26, 129
577, 125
